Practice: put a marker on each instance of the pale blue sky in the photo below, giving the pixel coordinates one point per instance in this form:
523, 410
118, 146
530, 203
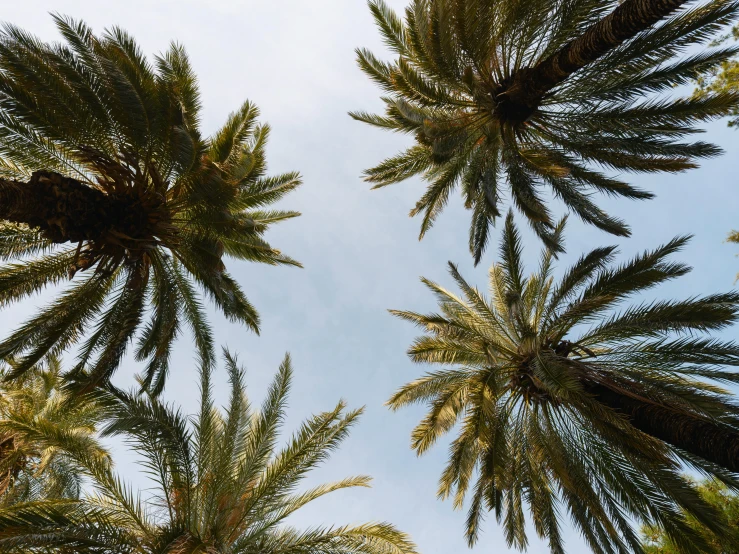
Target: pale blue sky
295, 60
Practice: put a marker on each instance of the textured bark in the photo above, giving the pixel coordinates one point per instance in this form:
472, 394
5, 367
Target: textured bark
699, 437
529, 85
68, 210
65, 209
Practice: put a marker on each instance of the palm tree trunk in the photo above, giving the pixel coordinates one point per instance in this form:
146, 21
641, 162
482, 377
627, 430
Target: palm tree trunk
65, 209
529, 85
697, 436
7, 446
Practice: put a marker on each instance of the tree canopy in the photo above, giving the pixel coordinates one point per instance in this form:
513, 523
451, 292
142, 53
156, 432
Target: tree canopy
459, 63
223, 483
35, 410
568, 400
106, 180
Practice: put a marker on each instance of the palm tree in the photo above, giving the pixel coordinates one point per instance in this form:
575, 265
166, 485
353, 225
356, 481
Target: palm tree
32, 467
566, 403
725, 502
541, 93
223, 486
103, 171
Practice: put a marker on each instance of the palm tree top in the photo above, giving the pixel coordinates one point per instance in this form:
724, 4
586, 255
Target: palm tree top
223, 482
568, 400
32, 467
519, 97
105, 174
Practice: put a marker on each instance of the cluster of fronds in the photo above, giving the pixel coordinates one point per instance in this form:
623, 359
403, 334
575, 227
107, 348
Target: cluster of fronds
35, 415
96, 110
223, 485
448, 88
565, 401
525, 363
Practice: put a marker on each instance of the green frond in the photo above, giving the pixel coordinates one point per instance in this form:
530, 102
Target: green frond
234, 133
511, 249
57, 326
398, 168
17, 241
45, 431
18, 281
390, 25
195, 316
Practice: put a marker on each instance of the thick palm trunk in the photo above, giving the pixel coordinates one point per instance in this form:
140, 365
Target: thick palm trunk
629, 19
699, 437
65, 209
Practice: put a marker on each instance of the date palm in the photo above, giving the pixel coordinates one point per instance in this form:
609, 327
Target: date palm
567, 400
510, 97
223, 485
31, 467
105, 175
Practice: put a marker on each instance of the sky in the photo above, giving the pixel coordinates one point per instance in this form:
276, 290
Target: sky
295, 59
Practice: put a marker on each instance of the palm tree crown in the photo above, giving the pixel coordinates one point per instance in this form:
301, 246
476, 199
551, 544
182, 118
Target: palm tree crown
567, 404
33, 467
541, 93
223, 485
104, 171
